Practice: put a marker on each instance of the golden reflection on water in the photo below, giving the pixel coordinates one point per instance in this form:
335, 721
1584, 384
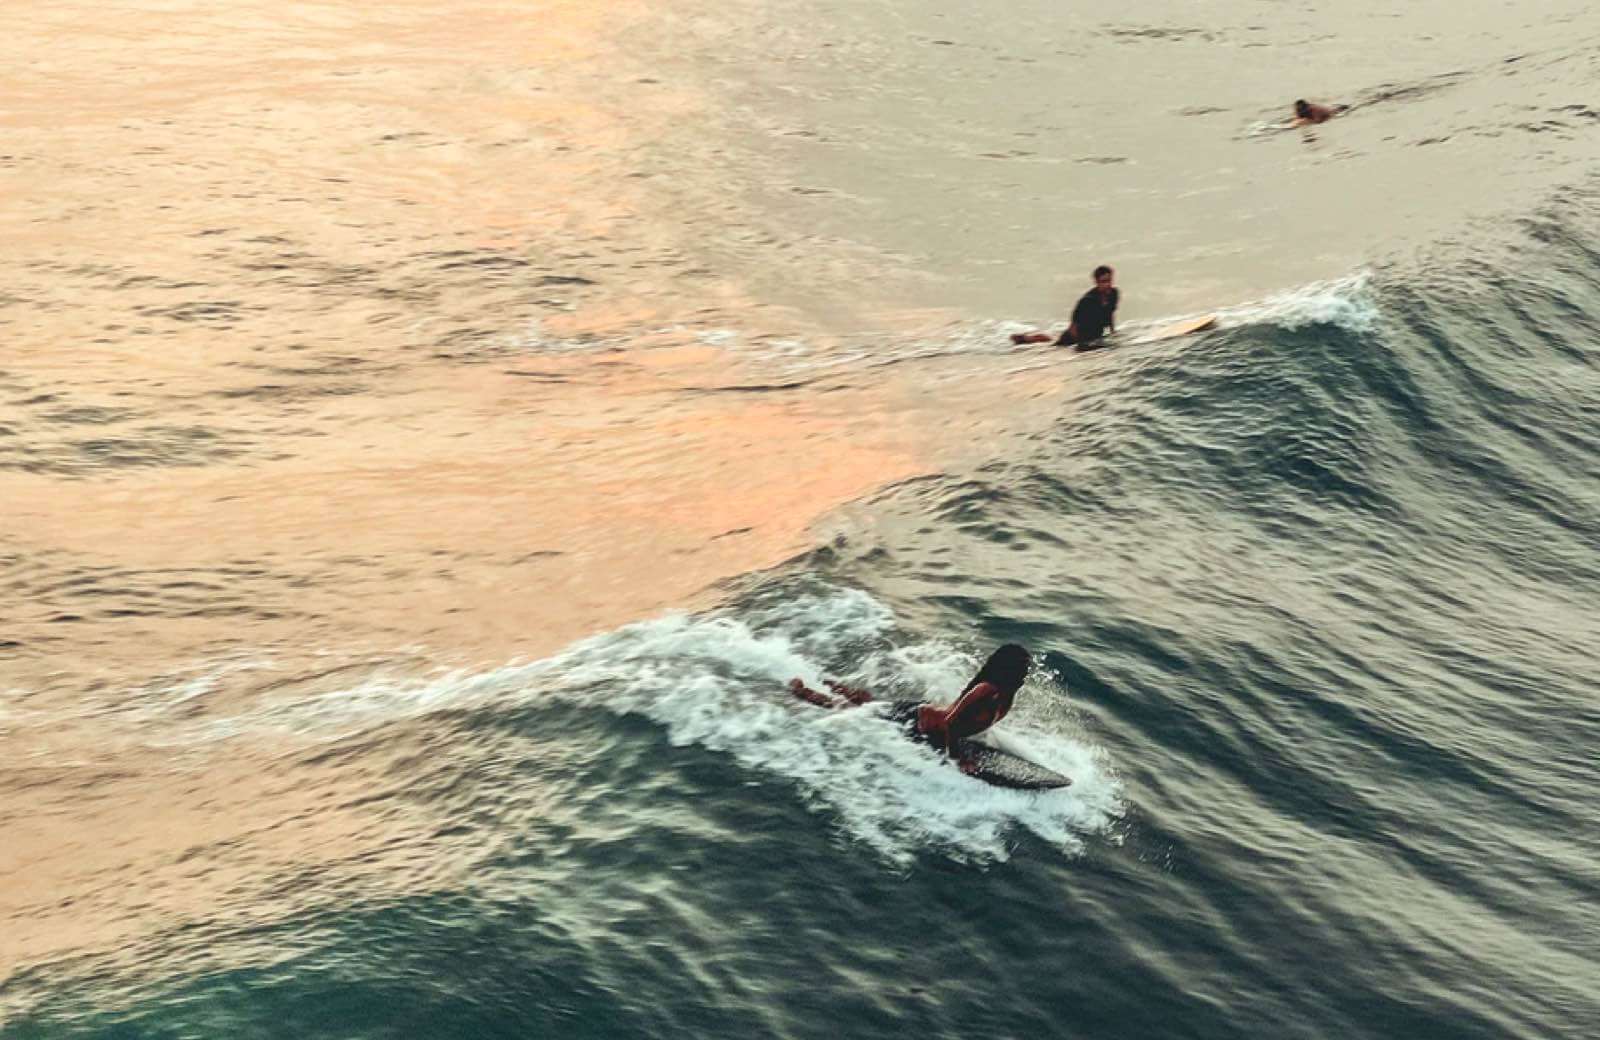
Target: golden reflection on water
252, 241
272, 277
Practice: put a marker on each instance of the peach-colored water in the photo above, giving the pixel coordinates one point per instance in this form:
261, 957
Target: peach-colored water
350, 342
312, 317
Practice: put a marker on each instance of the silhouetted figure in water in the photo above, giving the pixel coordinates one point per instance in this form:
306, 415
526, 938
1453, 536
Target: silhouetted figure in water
985, 701
1093, 317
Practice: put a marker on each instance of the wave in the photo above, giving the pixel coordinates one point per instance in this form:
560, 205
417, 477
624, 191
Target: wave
714, 681
717, 682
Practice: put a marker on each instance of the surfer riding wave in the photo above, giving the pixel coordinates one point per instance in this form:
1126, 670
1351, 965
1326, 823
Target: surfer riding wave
985, 701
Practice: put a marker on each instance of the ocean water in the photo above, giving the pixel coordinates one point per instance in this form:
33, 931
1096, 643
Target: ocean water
396, 648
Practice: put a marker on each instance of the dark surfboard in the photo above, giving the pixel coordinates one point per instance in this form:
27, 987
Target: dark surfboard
1003, 769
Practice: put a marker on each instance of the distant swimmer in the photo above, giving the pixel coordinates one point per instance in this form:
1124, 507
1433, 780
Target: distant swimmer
1093, 317
1305, 113
985, 701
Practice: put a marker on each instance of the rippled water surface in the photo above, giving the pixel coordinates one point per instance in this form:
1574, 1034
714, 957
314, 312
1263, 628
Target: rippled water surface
431, 435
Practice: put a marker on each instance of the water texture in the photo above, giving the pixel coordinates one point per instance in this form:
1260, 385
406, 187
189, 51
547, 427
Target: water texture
394, 627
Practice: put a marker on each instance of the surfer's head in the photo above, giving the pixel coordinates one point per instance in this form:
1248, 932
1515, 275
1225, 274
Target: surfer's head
1302, 108
1102, 279
1005, 669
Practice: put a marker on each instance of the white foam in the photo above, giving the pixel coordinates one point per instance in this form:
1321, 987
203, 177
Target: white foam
332, 715
718, 682
1347, 302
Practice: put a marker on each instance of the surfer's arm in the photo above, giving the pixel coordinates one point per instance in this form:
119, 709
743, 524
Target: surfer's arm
850, 695
799, 689
853, 694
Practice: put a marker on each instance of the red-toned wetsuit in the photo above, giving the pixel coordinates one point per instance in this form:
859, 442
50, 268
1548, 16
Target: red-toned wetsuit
981, 706
973, 712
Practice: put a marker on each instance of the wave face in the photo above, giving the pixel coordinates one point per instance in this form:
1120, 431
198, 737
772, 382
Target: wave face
1323, 586
1315, 599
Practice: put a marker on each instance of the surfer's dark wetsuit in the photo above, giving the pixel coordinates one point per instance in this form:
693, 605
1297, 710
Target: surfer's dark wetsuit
1094, 313
986, 700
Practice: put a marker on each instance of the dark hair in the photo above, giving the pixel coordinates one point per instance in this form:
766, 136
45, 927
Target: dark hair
1006, 668
1098, 271
1301, 107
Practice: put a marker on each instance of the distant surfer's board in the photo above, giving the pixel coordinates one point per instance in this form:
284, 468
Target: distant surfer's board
1003, 769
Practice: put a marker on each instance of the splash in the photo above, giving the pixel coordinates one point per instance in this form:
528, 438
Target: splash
1347, 302
717, 682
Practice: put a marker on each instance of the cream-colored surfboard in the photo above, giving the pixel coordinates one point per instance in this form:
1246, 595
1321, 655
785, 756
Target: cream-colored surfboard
1180, 328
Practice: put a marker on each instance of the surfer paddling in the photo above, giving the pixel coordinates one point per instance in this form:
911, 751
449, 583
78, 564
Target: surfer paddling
985, 701
1093, 317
